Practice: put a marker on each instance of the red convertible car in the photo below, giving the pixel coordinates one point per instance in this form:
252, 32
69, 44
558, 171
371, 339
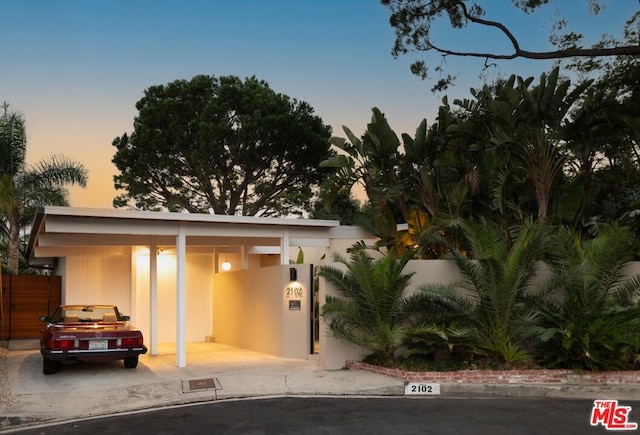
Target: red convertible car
89, 333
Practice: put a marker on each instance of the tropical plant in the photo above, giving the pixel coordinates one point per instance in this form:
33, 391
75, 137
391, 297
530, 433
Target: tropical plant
371, 309
24, 188
428, 180
372, 163
591, 315
520, 128
435, 345
496, 296
442, 181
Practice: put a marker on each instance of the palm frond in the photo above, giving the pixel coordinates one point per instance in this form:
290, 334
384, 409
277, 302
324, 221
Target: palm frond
371, 309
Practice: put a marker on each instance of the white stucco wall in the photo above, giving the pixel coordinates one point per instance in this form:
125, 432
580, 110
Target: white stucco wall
251, 310
431, 271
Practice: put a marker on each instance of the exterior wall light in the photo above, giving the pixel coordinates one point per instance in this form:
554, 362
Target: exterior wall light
226, 266
293, 273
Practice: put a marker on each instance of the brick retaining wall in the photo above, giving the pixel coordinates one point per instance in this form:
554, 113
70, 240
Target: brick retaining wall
557, 377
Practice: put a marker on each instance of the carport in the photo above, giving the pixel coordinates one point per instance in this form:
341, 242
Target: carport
102, 256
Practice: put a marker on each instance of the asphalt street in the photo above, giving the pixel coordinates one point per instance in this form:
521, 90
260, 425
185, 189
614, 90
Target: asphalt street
337, 416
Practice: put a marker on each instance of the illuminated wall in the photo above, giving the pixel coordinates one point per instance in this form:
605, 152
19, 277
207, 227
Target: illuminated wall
263, 310
200, 266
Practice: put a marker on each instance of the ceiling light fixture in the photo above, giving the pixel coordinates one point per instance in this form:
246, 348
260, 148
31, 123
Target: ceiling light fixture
226, 266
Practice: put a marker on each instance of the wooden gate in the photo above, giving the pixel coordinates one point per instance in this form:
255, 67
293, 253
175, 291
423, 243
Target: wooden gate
24, 299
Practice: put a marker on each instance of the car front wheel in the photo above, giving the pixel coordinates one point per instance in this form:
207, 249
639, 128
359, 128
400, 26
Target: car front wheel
49, 366
131, 362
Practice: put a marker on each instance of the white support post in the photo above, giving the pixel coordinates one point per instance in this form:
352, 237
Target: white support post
244, 257
284, 247
153, 295
181, 248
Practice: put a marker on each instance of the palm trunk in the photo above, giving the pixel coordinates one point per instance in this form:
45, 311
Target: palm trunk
543, 204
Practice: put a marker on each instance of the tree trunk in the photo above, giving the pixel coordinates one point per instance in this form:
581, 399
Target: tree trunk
14, 245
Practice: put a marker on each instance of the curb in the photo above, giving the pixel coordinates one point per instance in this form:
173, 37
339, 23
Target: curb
624, 385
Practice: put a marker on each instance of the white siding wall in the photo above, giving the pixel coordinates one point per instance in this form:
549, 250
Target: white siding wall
99, 276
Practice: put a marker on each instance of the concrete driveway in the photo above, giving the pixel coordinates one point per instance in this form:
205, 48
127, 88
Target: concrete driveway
214, 372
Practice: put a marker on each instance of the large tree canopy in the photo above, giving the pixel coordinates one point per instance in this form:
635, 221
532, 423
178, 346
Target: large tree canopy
223, 146
414, 20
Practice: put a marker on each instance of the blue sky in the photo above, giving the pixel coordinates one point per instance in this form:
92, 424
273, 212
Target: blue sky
76, 68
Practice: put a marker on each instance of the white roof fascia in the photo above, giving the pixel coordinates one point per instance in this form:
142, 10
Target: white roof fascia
310, 242
349, 232
104, 227
184, 217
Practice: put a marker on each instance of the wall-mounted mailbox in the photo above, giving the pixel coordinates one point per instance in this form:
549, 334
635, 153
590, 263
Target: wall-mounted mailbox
294, 305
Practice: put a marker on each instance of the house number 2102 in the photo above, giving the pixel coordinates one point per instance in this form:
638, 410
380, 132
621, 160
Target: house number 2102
294, 291
413, 388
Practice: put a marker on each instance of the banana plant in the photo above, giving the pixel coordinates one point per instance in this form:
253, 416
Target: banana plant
367, 160
371, 162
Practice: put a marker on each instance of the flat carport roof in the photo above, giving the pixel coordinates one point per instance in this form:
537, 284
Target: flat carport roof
57, 231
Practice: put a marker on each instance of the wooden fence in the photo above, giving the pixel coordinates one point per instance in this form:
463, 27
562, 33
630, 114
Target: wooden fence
24, 299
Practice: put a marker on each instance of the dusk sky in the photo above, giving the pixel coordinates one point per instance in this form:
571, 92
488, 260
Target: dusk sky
76, 68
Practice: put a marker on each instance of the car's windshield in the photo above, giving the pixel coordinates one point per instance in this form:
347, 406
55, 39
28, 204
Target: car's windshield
85, 313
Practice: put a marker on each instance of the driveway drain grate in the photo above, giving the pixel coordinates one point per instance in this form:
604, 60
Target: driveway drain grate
189, 386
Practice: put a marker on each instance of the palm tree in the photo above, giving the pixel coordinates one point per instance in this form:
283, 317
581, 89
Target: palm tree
372, 310
24, 188
591, 316
494, 299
